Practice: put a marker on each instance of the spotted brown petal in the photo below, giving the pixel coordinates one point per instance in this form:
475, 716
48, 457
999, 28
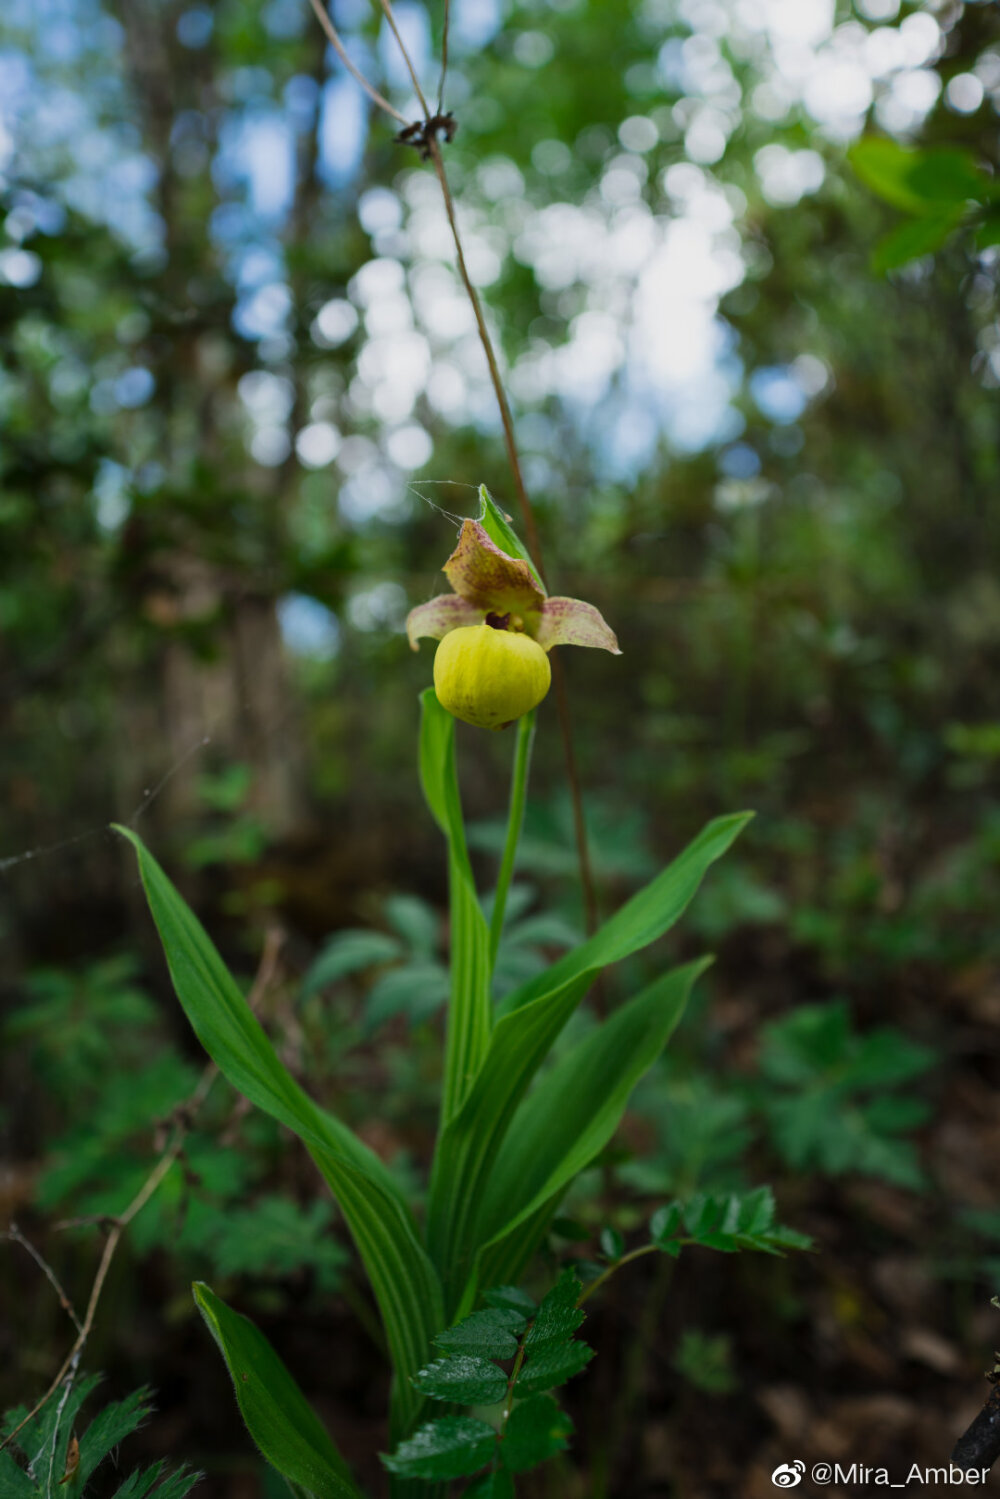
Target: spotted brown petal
572, 622
438, 616
490, 580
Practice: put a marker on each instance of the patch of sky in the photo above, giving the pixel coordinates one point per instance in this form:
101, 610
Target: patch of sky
628, 434
264, 312
257, 265
16, 83
301, 95
778, 394
352, 13
20, 268
285, 19
195, 27
247, 85
343, 131
412, 23
740, 461
61, 41
382, 606
268, 398
694, 419
110, 495
474, 23
230, 224
409, 447
258, 149
134, 387
308, 628
379, 209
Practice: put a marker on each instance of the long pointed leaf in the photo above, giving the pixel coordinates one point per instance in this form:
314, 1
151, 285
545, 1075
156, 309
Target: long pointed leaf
274, 1409
575, 1110
536, 1013
403, 1279
469, 1013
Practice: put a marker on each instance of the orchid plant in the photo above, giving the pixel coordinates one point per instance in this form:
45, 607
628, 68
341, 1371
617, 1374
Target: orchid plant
510, 1141
497, 626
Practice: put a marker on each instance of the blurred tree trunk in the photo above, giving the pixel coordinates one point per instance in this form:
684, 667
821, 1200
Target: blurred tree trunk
187, 709
214, 691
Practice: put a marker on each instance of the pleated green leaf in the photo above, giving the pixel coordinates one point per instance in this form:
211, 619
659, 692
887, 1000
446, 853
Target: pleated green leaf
507, 1258
277, 1414
403, 1279
535, 1014
569, 1118
469, 1012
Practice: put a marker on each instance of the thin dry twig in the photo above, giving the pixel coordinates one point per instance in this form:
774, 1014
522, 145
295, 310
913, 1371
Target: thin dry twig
534, 543
510, 442
387, 11
183, 1117
444, 55
15, 1236
323, 17
426, 139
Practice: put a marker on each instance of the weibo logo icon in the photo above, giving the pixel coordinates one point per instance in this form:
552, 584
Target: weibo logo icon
787, 1475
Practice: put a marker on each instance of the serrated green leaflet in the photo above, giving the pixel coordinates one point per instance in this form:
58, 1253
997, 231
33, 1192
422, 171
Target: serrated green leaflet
469, 1014
665, 1223
511, 1297
727, 1223
491, 1333
403, 1279
551, 1366
573, 1113
109, 1427
277, 1414
537, 1430
535, 1014
463, 1379
558, 1316
495, 1485
452, 1447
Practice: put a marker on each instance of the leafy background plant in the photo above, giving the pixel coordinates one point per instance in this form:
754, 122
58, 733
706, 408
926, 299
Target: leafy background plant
809, 613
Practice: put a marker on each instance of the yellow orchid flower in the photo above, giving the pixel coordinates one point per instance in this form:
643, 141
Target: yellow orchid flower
495, 631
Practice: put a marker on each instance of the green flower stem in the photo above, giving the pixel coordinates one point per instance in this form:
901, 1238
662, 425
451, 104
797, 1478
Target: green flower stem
626, 1259
518, 793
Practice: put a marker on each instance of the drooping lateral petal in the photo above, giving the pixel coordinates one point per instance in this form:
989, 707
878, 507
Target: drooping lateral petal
438, 616
485, 576
572, 622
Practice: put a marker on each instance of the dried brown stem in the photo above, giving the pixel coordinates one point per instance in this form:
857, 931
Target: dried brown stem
444, 55
15, 1235
429, 141
513, 457
387, 10
332, 36
184, 1116
534, 543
